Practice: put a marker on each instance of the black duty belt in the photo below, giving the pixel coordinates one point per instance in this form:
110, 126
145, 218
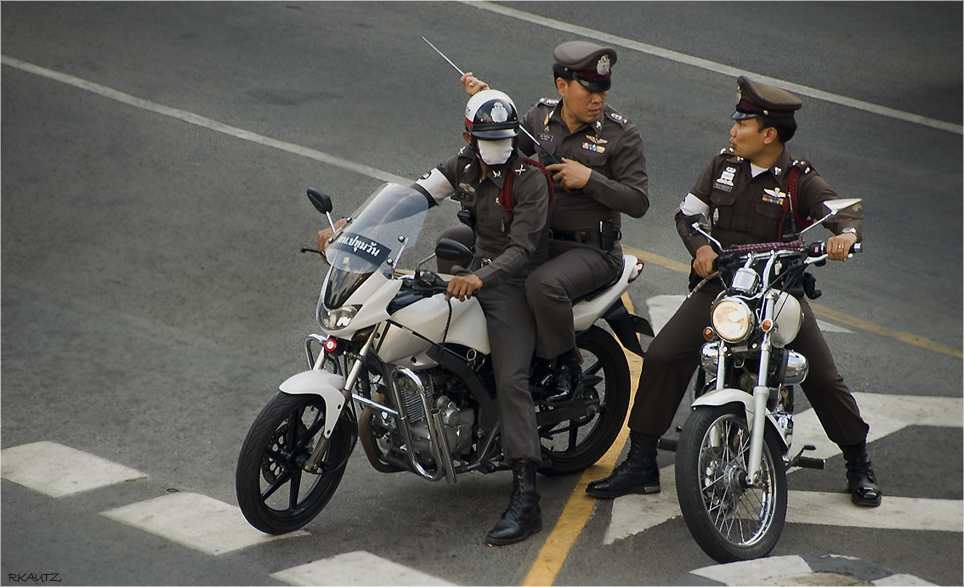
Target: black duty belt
606, 237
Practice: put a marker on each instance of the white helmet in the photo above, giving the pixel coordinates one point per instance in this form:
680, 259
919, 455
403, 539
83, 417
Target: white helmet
491, 115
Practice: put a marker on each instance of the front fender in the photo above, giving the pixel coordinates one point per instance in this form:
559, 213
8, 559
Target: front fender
322, 383
722, 397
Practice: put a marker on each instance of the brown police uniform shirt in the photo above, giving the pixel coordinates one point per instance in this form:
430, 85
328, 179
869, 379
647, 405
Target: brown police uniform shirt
611, 147
749, 210
510, 241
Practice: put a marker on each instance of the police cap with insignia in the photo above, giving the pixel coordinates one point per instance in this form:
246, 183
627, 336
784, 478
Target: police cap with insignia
587, 63
755, 99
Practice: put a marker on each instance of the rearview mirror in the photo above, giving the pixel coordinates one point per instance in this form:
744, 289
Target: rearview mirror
849, 209
320, 200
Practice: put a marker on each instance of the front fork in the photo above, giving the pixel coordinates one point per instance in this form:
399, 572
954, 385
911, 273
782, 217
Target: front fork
322, 447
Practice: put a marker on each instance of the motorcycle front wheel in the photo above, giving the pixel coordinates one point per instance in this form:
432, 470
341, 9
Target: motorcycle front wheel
728, 519
598, 410
275, 492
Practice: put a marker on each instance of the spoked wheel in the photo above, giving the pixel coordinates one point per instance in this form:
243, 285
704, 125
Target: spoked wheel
275, 491
730, 520
597, 411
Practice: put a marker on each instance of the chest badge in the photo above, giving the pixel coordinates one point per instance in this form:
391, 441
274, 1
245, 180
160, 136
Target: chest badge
774, 196
596, 140
594, 147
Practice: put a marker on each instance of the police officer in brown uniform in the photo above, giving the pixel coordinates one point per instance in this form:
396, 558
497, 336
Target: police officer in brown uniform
602, 174
744, 191
509, 201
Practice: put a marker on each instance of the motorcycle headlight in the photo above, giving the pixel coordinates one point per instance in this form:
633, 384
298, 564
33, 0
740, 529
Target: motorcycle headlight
338, 318
732, 320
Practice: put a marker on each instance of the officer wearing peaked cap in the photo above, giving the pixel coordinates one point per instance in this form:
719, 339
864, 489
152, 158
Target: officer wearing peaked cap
754, 192
602, 175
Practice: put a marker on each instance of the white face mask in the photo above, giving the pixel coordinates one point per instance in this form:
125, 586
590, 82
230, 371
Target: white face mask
495, 152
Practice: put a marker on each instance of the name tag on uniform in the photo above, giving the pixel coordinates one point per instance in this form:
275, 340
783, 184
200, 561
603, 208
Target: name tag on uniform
594, 148
725, 180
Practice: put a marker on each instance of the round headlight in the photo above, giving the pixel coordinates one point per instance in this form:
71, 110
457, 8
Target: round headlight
732, 320
338, 318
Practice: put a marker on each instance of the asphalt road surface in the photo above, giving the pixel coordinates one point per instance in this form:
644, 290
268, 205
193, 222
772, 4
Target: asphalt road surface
155, 158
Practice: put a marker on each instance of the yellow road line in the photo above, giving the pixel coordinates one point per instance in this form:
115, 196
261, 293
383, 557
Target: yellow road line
579, 507
821, 311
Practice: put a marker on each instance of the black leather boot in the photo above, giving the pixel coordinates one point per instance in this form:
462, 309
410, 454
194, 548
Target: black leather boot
566, 379
639, 473
861, 481
523, 517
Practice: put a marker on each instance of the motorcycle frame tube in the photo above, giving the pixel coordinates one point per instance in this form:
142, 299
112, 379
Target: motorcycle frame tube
403, 424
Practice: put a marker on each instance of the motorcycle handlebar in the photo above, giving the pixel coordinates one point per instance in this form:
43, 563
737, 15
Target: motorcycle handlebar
820, 249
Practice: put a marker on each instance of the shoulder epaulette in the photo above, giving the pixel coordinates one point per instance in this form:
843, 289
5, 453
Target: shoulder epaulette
549, 102
803, 165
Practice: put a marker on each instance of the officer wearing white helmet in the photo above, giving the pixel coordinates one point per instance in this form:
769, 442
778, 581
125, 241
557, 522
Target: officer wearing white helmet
508, 201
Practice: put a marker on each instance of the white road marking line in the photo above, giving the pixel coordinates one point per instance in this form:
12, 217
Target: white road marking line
886, 414
355, 568
901, 581
633, 514
201, 121
195, 521
726, 70
58, 470
756, 572
894, 513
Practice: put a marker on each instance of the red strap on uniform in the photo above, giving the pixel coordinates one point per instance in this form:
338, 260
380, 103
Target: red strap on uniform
505, 194
791, 202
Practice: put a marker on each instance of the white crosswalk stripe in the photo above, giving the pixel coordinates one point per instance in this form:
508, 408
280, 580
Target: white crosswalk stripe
355, 568
58, 470
195, 521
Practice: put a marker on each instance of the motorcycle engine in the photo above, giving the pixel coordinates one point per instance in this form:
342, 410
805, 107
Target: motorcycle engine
456, 423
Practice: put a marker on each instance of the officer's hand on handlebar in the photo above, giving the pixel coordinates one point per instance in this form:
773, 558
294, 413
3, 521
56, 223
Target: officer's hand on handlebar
462, 286
473, 85
838, 247
325, 235
703, 263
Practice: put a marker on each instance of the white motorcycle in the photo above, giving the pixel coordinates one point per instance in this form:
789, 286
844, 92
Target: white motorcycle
408, 373
735, 448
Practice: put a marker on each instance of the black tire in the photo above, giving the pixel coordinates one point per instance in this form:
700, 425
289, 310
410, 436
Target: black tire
729, 521
574, 445
275, 494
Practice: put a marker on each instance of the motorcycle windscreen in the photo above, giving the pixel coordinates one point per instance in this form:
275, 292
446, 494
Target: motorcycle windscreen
388, 222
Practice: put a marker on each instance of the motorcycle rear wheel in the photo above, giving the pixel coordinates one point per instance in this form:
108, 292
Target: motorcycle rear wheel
576, 444
275, 493
729, 521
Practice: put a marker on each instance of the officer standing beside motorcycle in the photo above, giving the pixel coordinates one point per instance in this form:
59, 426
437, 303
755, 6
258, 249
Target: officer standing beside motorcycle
508, 201
602, 174
747, 191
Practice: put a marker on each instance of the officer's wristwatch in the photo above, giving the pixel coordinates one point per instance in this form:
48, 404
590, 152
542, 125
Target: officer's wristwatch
851, 230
